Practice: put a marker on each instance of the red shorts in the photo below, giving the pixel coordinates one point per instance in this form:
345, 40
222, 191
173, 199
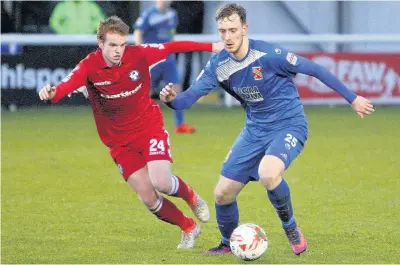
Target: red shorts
154, 145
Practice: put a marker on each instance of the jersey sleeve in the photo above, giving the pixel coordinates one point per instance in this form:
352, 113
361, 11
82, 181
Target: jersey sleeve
142, 22
157, 53
284, 62
76, 79
288, 64
205, 82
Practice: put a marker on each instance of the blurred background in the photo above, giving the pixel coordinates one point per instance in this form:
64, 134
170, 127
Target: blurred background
358, 41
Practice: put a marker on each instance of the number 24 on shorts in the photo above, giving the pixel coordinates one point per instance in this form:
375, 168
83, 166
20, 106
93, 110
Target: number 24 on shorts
154, 147
158, 147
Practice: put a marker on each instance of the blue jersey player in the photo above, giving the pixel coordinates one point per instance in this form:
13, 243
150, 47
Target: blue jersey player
157, 25
260, 75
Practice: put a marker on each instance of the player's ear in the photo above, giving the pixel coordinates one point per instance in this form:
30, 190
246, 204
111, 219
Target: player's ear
100, 43
245, 28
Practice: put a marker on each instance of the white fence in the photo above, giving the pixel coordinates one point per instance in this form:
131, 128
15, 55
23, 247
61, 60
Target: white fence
388, 83
51, 39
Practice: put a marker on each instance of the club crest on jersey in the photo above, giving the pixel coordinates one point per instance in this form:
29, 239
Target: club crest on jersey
257, 73
134, 75
291, 58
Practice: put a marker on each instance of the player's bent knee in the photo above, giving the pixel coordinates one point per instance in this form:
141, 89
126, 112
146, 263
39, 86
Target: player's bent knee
227, 190
149, 199
141, 184
223, 197
160, 184
160, 176
271, 170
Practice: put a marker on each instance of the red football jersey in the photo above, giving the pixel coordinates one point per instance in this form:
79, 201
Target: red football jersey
119, 95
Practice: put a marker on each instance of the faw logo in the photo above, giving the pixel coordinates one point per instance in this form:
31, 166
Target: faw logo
360, 76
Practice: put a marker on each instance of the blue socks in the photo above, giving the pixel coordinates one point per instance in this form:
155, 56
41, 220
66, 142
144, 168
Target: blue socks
227, 219
280, 199
178, 117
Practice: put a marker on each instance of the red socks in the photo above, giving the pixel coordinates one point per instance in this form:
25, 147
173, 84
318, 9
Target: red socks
167, 211
182, 190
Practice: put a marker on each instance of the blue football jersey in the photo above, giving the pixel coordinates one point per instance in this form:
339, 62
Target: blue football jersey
262, 82
157, 27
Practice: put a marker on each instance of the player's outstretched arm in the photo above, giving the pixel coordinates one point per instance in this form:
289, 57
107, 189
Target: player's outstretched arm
217, 47
168, 94
183, 100
192, 46
75, 80
205, 82
47, 92
360, 105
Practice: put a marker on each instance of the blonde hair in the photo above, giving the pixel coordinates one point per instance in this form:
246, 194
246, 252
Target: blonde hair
112, 24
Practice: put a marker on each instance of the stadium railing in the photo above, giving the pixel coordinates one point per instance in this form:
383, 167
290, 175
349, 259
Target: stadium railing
51, 39
329, 42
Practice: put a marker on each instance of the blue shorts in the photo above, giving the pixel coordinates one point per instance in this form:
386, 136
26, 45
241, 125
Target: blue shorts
252, 145
164, 73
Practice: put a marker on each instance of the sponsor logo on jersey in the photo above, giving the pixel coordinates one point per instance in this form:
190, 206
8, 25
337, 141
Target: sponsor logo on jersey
249, 93
134, 75
122, 94
291, 58
102, 83
278, 51
257, 73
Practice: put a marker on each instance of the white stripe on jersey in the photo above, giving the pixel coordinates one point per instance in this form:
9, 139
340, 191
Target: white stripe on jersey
154, 64
230, 67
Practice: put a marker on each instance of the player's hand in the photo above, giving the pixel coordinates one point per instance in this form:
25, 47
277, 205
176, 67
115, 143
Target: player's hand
217, 47
168, 93
47, 92
362, 106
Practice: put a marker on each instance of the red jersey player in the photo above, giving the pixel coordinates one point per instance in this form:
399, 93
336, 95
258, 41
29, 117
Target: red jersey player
130, 124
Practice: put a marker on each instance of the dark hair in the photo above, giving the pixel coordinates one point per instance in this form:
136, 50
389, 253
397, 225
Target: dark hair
230, 9
112, 24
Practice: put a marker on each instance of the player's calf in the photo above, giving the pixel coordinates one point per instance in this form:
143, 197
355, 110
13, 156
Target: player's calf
196, 203
166, 211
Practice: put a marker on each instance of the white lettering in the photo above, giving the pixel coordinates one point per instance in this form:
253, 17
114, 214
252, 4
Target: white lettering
19, 77
374, 71
343, 69
122, 94
358, 76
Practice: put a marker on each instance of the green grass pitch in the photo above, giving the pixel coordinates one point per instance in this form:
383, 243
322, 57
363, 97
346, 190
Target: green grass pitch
64, 201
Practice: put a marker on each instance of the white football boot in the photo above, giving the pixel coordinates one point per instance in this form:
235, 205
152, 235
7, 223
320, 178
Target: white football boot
189, 238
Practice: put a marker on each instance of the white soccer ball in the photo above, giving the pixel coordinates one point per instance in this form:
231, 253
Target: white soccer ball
248, 242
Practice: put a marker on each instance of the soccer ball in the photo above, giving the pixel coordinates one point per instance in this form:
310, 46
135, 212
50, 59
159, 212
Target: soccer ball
248, 242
